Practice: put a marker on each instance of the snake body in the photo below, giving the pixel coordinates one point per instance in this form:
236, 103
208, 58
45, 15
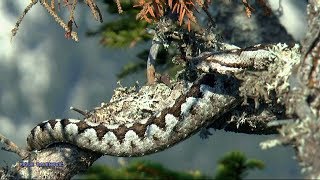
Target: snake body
166, 119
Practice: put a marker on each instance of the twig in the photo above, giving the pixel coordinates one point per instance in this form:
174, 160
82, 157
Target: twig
74, 4
213, 23
12, 147
281, 122
26, 10
74, 34
152, 58
84, 113
95, 10
119, 6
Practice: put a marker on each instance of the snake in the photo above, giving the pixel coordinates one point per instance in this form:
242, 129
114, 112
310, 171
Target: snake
140, 122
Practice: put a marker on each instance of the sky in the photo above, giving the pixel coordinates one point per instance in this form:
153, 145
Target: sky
42, 74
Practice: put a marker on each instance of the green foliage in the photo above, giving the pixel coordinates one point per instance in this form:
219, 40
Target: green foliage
163, 60
125, 30
131, 68
139, 170
233, 165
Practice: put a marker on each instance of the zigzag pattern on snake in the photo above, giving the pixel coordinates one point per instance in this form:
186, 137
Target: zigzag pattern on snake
167, 117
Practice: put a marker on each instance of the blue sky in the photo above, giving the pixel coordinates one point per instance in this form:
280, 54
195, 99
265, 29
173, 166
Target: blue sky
42, 74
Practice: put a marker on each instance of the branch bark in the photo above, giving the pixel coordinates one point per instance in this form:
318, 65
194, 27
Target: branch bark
60, 161
304, 99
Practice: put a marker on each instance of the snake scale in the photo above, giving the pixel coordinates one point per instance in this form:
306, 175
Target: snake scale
161, 118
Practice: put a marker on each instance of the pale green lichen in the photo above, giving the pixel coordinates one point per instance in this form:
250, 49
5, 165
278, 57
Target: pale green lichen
286, 58
304, 135
270, 143
260, 84
130, 104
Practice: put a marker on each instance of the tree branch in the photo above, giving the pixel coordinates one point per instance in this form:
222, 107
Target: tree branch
60, 161
304, 99
268, 84
226, 110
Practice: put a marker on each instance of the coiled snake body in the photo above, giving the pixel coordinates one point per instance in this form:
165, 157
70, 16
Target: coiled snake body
138, 123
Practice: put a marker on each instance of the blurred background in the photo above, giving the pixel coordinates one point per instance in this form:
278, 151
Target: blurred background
42, 74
